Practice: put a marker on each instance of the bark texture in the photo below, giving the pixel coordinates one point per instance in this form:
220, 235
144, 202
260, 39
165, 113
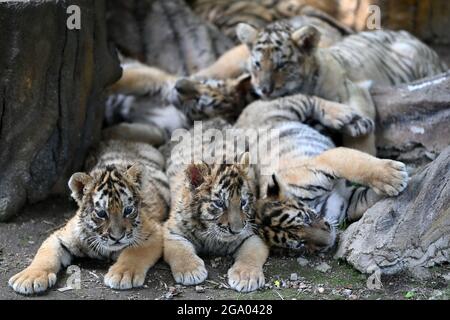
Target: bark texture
51, 107
410, 231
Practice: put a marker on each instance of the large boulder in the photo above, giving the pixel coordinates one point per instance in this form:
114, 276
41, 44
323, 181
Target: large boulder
410, 231
51, 104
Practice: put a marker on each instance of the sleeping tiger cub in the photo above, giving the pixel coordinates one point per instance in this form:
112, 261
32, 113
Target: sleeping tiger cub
310, 190
122, 202
287, 61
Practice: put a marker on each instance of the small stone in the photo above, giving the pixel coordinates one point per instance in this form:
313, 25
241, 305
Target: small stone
321, 290
199, 289
323, 267
302, 261
294, 277
347, 292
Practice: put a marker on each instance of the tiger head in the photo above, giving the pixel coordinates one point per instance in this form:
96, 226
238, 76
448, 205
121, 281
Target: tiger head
109, 203
287, 222
221, 198
282, 59
202, 99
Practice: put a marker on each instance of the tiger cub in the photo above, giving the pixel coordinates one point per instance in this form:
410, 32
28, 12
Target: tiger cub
196, 99
310, 187
122, 202
286, 61
212, 212
234, 61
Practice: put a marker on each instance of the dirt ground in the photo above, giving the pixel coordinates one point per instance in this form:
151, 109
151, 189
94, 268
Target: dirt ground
286, 278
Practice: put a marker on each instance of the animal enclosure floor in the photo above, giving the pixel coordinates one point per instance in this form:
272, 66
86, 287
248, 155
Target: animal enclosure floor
285, 277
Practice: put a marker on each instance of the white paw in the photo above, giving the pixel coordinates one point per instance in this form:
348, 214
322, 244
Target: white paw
123, 277
32, 281
191, 273
359, 126
391, 179
245, 278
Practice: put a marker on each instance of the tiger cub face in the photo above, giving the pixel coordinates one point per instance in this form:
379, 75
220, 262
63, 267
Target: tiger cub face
282, 59
109, 204
221, 198
210, 98
287, 222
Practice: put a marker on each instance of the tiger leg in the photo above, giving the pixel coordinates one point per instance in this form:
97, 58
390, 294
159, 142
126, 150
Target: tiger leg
357, 198
132, 265
40, 275
187, 267
385, 177
230, 65
141, 80
360, 99
246, 274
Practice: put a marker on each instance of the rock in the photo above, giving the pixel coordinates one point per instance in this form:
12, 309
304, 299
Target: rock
404, 232
347, 292
321, 290
51, 85
427, 19
446, 276
420, 273
302, 261
199, 289
412, 120
166, 34
293, 277
323, 267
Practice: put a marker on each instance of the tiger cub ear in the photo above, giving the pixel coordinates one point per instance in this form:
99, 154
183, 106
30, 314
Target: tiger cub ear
134, 172
196, 173
77, 183
306, 38
246, 33
243, 84
277, 189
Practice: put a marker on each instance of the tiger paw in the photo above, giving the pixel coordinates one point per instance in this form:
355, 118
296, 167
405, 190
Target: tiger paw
359, 126
390, 178
123, 277
32, 281
190, 272
244, 278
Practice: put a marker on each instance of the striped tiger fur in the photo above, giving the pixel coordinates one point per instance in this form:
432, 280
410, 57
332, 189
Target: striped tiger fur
307, 187
212, 212
122, 202
286, 61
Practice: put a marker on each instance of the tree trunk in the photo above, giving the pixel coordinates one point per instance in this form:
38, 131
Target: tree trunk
51, 105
